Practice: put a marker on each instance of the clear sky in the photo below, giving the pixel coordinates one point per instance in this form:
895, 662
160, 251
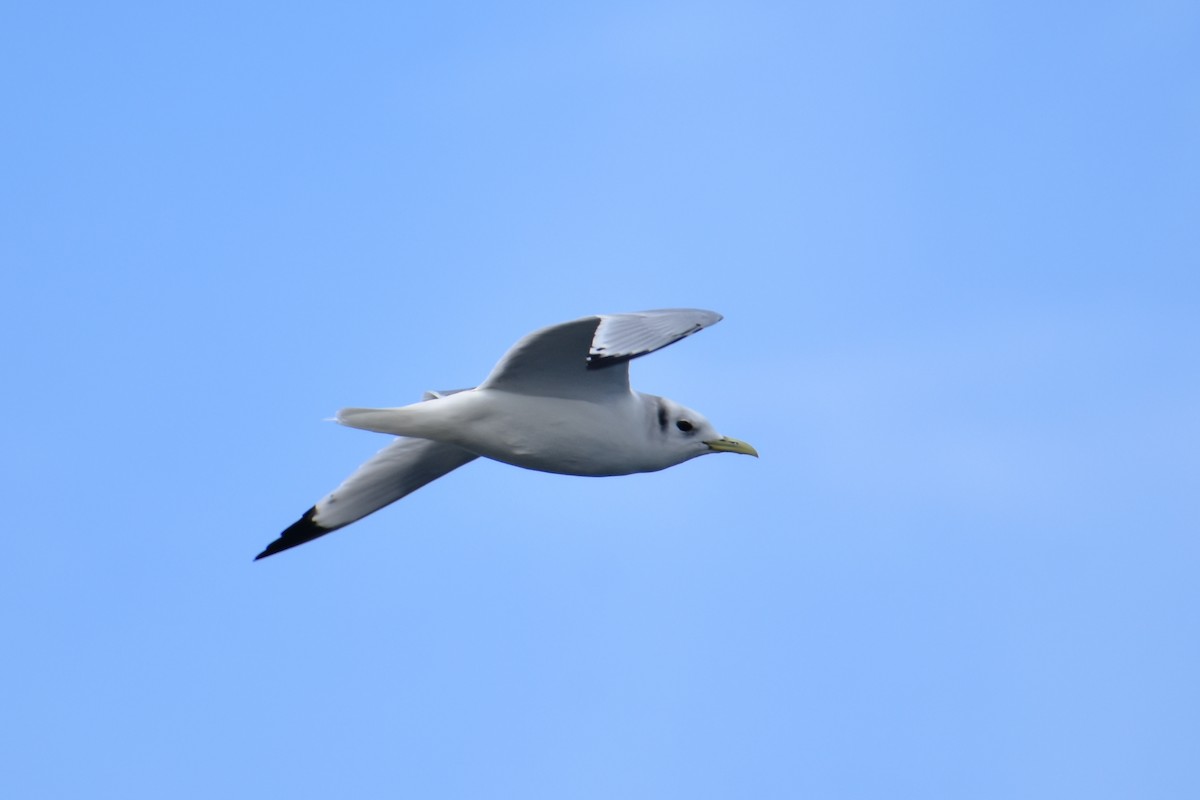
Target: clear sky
958, 253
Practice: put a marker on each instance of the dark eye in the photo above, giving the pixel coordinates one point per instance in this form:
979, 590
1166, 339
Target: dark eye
683, 425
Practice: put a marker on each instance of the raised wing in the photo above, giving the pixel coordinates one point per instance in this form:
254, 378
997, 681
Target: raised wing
397, 470
622, 337
589, 356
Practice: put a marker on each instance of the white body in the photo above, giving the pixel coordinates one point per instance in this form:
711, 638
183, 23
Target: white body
571, 436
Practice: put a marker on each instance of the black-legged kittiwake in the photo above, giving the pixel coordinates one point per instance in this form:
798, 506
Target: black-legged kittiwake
558, 401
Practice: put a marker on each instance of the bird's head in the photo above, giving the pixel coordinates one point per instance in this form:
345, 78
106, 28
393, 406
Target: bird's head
687, 433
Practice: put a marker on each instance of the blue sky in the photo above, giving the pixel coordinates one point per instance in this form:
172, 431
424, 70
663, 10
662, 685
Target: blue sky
956, 250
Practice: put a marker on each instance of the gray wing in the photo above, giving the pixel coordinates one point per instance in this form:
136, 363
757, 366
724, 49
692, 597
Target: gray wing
397, 470
590, 356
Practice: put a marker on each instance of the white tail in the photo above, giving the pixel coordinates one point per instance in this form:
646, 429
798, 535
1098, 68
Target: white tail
380, 420
432, 418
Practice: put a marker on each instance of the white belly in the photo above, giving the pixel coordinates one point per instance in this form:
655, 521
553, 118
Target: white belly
572, 437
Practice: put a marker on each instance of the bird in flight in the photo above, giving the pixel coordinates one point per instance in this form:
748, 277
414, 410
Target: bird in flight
558, 401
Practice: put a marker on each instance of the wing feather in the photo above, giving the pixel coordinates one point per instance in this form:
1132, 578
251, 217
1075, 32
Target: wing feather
589, 356
621, 337
394, 472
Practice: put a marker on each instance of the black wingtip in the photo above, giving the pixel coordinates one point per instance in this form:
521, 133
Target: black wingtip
600, 361
301, 531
